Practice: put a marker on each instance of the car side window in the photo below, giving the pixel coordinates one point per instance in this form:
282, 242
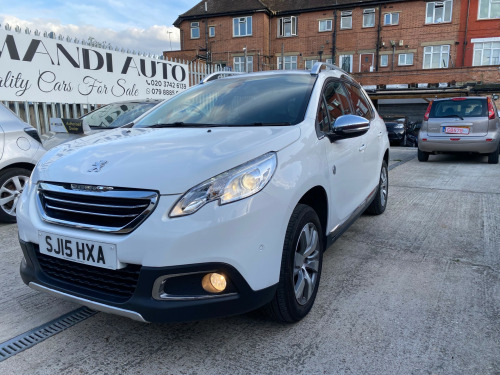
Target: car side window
337, 102
322, 118
359, 102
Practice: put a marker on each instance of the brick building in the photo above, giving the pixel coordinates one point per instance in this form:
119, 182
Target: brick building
396, 49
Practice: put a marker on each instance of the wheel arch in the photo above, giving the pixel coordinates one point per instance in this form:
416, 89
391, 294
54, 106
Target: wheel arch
317, 199
28, 166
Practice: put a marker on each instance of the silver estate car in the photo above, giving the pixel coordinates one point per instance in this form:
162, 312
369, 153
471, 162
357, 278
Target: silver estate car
20, 150
465, 124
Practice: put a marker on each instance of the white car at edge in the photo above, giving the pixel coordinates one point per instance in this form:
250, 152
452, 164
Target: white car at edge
218, 202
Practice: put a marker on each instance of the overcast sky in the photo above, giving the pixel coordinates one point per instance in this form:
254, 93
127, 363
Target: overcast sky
136, 25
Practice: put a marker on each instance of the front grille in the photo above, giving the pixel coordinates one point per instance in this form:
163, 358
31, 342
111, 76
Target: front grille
118, 285
98, 208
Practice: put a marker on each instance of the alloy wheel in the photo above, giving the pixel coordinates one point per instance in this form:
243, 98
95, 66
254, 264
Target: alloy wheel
306, 266
10, 192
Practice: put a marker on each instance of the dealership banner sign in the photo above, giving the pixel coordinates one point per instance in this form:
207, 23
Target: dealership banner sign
38, 69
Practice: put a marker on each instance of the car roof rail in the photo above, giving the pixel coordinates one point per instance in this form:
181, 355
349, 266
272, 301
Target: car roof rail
217, 75
316, 69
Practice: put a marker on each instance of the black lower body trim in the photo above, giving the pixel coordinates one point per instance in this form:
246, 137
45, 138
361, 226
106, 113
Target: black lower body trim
239, 299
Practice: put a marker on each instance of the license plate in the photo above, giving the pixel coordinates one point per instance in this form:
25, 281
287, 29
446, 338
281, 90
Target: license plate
456, 130
98, 254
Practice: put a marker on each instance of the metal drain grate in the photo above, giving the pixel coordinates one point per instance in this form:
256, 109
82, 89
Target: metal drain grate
35, 336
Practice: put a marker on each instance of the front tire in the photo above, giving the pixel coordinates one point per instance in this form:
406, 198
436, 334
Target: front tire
12, 182
300, 267
379, 203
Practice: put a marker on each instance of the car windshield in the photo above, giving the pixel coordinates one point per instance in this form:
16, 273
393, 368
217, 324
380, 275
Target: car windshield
459, 108
116, 114
270, 99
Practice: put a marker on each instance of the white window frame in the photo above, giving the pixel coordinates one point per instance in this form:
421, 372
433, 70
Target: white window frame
329, 61
195, 26
346, 16
432, 51
290, 62
371, 12
310, 63
392, 17
351, 62
405, 59
211, 31
486, 49
491, 9
386, 62
328, 25
239, 64
431, 7
283, 22
247, 20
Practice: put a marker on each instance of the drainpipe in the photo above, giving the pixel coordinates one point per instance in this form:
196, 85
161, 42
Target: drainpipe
465, 36
282, 56
334, 35
377, 57
393, 43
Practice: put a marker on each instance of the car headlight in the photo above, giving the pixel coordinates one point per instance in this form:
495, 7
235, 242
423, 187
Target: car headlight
230, 186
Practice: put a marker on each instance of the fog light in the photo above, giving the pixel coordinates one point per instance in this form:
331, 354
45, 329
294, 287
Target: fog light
214, 282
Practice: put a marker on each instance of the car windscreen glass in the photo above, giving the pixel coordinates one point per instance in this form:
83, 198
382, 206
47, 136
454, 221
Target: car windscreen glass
279, 99
459, 108
116, 115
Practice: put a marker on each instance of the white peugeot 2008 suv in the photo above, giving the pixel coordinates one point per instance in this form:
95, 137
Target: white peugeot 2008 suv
220, 201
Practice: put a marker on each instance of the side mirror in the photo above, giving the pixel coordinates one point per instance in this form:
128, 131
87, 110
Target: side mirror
348, 126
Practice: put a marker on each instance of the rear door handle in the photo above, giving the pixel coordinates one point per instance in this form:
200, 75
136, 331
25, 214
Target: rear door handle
362, 148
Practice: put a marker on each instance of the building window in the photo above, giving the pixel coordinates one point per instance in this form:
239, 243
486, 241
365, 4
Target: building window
239, 64
436, 57
290, 63
310, 63
489, 9
384, 60
438, 11
369, 18
195, 30
287, 26
211, 31
391, 18
325, 25
242, 26
405, 59
346, 20
487, 53
329, 61
345, 62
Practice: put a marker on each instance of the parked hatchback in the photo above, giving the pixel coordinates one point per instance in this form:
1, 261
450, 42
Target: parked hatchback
20, 150
466, 124
397, 129
219, 201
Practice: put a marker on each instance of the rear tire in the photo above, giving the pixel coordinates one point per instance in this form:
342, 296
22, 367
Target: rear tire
12, 183
300, 267
493, 157
422, 155
379, 203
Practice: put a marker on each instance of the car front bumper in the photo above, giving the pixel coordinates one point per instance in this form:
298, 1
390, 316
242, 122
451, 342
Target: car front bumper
186, 300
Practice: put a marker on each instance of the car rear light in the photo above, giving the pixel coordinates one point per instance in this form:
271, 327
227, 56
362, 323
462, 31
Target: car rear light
428, 112
458, 99
33, 134
454, 139
491, 110
489, 139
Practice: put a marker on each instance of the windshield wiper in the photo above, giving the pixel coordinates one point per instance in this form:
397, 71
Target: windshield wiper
460, 117
271, 124
177, 124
